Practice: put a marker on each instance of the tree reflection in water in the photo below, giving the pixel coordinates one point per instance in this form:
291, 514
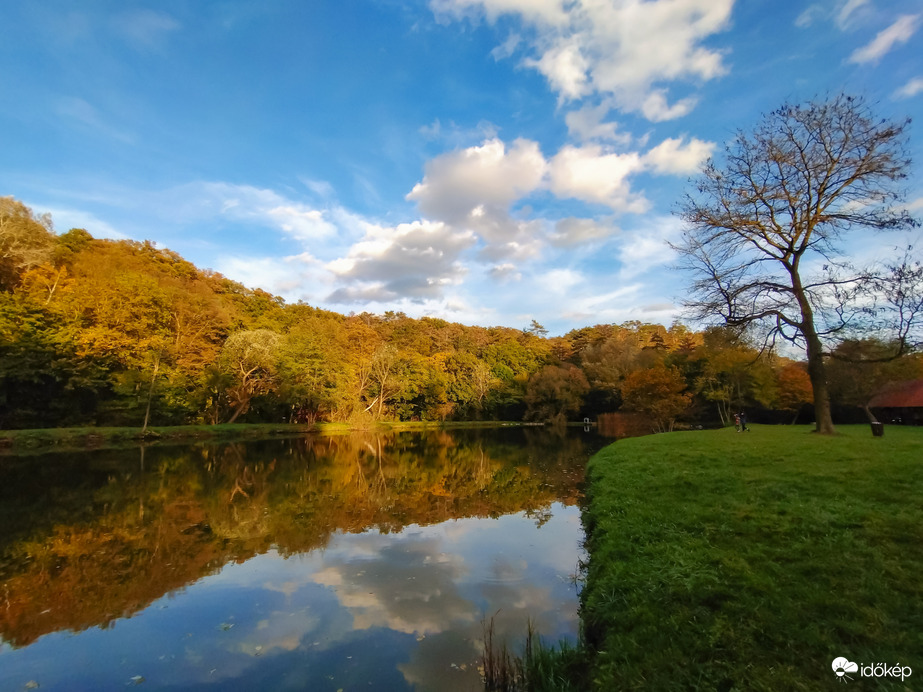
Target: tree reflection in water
386, 529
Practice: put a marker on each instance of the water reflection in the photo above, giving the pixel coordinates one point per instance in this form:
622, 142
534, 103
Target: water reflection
324, 562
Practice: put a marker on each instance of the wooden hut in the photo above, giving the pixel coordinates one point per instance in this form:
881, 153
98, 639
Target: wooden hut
899, 402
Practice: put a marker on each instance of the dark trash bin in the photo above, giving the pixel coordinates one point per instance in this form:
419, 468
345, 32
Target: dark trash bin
878, 429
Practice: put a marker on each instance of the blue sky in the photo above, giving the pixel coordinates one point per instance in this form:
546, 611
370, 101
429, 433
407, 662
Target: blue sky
484, 161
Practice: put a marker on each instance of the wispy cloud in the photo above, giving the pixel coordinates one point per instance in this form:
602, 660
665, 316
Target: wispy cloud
77, 111
145, 28
899, 32
66, 219
913, 87
847, 12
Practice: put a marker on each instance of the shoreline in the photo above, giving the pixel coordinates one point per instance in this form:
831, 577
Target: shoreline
14, 442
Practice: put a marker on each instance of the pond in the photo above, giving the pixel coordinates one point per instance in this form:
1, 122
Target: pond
351, 562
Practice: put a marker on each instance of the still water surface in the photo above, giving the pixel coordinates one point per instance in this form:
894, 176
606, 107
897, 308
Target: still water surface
353, 562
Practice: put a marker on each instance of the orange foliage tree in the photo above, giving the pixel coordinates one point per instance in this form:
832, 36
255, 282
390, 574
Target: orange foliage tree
660, 392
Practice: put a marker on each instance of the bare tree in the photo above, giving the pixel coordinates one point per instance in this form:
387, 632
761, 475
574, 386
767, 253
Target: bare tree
764, 233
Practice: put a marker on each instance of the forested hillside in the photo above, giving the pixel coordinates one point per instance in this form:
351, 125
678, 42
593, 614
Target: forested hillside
102, 332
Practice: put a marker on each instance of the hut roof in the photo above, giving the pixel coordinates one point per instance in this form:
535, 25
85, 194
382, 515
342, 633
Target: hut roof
906, 394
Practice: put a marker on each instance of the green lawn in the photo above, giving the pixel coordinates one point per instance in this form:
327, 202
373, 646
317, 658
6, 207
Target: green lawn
749, 561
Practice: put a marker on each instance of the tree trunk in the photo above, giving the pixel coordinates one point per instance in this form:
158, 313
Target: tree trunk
817, 371
240, 409
150, 394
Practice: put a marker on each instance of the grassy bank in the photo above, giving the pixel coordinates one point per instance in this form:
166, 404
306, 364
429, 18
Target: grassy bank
15, 441
750, 561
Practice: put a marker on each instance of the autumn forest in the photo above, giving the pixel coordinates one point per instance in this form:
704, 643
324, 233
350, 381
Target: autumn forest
125, 333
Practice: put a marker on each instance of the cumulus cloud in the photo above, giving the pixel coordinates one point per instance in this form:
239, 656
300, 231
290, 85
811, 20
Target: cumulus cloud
565, 67
456, 183
626, 49
591, 174
899, 32
673, 156
472, 190
414, 260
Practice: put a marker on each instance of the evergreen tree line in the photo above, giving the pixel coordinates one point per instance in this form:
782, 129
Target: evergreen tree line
103, 332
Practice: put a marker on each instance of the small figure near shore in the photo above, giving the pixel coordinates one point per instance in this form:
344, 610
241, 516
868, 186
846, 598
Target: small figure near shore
743, 422
737, 422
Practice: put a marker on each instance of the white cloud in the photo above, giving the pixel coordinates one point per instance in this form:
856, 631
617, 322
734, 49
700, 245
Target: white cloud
587, 124
656, 109
672, 156
471, 191
304, 224
899, 32
591, 174
565, 68
910, 89
622, 49
457, 183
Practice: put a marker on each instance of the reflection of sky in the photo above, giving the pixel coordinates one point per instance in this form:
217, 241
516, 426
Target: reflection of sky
376, 611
